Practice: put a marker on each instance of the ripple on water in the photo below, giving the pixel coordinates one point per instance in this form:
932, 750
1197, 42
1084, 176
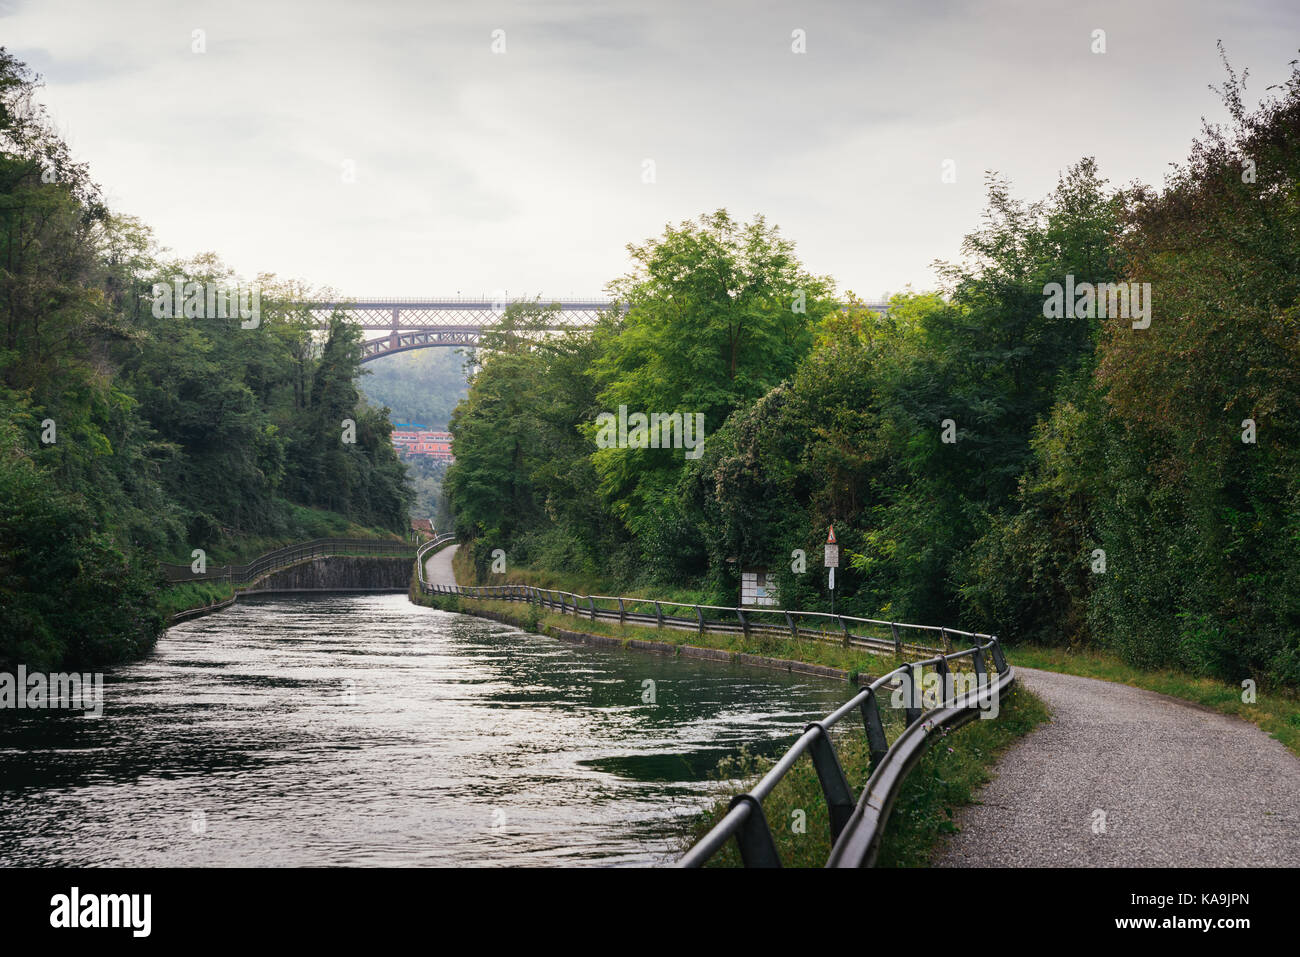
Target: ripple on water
346, 730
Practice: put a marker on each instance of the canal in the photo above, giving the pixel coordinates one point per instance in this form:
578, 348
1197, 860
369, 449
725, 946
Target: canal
344, 730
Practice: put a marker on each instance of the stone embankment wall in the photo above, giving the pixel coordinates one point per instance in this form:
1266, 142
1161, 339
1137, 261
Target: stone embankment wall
339, 573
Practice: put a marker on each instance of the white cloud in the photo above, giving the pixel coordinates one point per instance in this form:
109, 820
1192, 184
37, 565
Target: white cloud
523, 171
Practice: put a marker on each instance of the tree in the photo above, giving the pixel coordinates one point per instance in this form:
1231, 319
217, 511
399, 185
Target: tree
718, 313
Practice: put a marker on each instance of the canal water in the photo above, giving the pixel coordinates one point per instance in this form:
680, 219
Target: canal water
342, 730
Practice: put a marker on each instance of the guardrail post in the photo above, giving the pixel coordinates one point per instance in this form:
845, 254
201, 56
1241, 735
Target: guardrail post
744, 622
659, 613
700, 615
999, 659
593, 607
845, 629
942, 668
839, 797
947, 641
898, 642
622, 612
911, 679
753, 838
877, 743
794, 629
981, 669
563, 607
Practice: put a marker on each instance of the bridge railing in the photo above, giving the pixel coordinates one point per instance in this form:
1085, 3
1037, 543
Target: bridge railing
244, 575
967, 686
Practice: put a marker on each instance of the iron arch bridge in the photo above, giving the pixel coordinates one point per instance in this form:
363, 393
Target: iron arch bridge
406, 324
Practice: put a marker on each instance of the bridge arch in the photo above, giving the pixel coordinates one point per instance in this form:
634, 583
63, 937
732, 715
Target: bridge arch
447, 321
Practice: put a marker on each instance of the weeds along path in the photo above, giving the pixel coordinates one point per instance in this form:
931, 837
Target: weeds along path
437, 570
1127, 777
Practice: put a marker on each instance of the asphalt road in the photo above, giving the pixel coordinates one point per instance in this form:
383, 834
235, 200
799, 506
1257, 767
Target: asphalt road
437, 570
1175, 784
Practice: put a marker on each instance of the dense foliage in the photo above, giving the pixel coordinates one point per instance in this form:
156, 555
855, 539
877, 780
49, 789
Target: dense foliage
1055, 476
126, 438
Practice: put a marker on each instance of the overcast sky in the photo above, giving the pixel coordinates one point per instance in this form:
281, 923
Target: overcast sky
478, 171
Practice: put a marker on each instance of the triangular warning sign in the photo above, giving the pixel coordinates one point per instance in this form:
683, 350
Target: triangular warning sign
830, 539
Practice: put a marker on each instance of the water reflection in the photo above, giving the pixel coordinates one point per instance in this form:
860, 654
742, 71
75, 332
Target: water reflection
346, 730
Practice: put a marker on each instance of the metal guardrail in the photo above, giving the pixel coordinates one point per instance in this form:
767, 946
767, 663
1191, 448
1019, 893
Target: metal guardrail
241, 576
723, 620
856, 826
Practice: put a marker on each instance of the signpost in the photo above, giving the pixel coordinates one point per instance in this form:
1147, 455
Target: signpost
832, 562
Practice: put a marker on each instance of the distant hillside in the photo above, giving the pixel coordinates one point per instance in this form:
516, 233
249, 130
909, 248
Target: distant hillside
421, 386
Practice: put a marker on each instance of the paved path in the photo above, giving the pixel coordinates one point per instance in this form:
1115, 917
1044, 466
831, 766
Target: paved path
437, 570
1180, 786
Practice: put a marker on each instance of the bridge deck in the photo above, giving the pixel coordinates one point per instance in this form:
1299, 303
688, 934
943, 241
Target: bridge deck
452, 320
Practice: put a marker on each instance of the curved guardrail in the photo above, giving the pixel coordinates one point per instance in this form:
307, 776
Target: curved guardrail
241, 576
967, 688
857, 826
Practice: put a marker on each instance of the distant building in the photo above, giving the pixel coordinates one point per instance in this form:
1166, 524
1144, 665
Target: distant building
422, 525
757, 587
413, 439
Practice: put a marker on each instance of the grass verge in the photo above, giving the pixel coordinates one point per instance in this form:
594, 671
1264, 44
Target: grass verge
187, 596
1275, 711
301, 524
541, 621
